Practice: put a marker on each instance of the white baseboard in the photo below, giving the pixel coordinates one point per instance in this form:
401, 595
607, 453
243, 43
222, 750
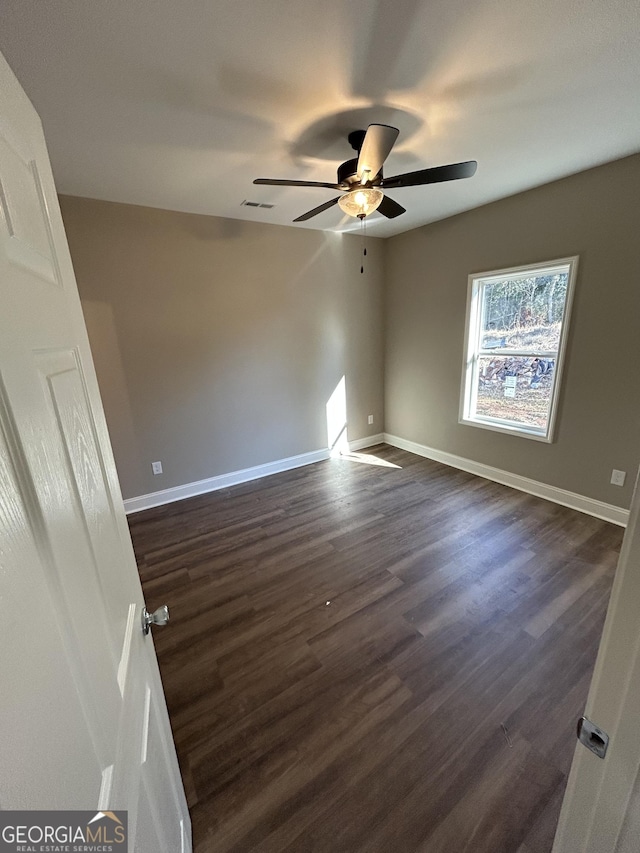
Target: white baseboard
608, 512
590, 506
222, 481
369, 441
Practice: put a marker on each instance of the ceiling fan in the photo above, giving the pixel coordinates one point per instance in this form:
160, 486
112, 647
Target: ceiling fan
361, 179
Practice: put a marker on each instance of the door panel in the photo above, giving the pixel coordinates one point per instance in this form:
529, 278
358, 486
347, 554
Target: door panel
73, 429
36, 672
597, 813
83, 722
154, 758
147, 838
28, 240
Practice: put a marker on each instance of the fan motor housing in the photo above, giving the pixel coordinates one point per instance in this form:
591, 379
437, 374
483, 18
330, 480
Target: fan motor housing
348, 173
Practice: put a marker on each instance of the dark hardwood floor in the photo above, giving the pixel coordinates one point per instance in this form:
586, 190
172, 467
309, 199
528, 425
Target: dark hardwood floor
373, 658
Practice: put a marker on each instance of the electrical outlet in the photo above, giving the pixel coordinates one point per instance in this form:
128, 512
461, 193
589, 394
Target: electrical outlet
618, 477
370, 419
156, 467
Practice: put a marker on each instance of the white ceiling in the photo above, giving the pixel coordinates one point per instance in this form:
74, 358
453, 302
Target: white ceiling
181, 103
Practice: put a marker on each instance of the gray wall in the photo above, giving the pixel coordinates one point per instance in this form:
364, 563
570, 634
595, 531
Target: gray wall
219, 342
595, 215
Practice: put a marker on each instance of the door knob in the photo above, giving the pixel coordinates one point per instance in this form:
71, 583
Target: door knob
158, 617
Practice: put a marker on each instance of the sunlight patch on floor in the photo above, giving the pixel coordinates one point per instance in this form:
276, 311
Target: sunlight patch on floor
367, 459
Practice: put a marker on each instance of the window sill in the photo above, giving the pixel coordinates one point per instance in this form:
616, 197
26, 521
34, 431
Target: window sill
508, 429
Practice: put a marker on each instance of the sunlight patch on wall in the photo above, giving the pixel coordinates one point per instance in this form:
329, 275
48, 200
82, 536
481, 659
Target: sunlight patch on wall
337, 440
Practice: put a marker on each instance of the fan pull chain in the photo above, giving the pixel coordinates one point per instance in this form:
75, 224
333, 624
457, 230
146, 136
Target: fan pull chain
363, 236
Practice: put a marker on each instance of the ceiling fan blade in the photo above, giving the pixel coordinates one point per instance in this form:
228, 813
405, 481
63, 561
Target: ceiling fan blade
390, 208
276, 182
432, 176
317, 210
378, 142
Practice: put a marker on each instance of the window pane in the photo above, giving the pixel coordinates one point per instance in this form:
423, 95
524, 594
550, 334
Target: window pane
517, 390
516, 325
523, 313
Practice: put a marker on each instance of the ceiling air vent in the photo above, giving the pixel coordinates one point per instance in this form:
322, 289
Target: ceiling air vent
246, 203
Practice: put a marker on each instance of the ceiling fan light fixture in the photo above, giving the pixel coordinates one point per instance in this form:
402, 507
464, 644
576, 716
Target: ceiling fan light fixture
360, 179
361, 202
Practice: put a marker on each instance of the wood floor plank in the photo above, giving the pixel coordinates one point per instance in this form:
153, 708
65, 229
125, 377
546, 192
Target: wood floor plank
540, 837
374, 657
514, 785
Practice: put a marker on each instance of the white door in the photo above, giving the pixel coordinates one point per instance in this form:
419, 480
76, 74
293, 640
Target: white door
601, 809
83, 722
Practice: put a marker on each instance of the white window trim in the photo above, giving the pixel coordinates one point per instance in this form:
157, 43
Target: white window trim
473, 318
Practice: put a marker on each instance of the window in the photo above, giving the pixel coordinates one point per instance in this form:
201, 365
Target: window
517, 322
